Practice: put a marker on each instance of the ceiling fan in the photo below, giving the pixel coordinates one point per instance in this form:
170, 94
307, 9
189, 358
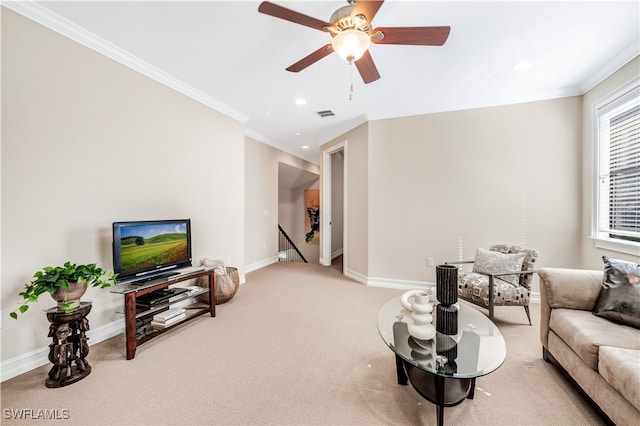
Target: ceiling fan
352, 32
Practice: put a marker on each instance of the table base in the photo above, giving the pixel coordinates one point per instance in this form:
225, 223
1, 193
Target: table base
439, 390
75, 374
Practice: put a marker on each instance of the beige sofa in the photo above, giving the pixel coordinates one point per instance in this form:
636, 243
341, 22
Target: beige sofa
601, 357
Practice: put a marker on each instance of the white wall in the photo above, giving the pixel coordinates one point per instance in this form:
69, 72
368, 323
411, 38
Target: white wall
356, 205
491, 175
441, 185
592, 256
87, 141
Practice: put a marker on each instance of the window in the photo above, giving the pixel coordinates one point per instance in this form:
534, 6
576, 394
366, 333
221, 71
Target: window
617, 134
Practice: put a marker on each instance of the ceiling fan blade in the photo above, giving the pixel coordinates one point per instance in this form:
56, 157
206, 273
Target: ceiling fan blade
421, 36
367, 8
311, 59
273, 9
367, 68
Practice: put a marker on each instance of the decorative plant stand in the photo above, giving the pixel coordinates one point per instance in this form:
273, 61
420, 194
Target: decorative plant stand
69, 349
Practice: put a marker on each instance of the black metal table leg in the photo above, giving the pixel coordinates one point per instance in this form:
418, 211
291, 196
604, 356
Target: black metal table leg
440, 410
440, 384
472, 391
402, 375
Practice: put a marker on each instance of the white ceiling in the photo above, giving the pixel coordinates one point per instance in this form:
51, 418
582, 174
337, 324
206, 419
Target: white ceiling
231, 57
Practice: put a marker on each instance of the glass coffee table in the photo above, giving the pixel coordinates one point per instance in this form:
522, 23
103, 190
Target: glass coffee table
442, 370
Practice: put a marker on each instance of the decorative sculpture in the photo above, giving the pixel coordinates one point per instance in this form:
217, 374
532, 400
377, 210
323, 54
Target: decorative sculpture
69, 349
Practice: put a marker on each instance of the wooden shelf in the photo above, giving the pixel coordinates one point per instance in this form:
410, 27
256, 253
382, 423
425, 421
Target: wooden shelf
134, 314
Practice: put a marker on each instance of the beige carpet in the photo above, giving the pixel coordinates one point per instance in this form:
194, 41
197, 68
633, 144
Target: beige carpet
297, 345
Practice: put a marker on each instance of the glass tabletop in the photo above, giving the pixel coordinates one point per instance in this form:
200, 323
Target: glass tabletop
476, 350
129, 287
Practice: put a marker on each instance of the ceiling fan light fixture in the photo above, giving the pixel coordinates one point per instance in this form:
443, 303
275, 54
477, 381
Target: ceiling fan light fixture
522, 66
351, 44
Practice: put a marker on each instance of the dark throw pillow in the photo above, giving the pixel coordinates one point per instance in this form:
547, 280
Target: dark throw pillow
619, 298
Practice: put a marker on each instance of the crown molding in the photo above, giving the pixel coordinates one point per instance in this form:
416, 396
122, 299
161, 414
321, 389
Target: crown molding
470, 104
57, 23
617, 62
259, 137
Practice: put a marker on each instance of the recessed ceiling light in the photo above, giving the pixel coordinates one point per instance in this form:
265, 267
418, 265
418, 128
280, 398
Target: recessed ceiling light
305, 146
297, 134
300, 101
522, 66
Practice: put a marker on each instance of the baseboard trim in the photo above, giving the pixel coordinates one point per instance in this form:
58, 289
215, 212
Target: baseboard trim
39, 357
261, 264
400, 284
387, 283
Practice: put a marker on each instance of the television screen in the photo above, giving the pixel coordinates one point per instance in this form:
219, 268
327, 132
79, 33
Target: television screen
150, 248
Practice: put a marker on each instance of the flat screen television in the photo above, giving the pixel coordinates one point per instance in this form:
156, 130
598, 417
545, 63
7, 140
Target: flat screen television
151, 248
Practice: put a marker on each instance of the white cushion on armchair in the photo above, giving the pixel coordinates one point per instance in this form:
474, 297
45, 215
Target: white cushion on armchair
493, 262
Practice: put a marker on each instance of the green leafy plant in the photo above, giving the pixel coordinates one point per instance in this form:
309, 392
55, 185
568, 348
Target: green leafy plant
51, 278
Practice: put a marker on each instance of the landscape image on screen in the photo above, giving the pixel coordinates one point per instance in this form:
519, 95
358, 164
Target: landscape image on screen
149, 245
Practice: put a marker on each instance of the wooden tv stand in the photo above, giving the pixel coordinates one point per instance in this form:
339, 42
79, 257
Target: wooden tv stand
137, 318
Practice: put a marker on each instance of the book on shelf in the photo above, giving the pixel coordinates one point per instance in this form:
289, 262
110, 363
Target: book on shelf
167, 323
168, 314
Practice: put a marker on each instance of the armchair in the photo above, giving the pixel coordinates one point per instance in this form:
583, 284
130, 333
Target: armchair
501, 276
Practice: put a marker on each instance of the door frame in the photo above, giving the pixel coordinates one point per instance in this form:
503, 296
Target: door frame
325, 211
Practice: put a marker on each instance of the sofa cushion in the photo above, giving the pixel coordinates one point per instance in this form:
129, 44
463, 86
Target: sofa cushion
585, 333
621, 369
619, 298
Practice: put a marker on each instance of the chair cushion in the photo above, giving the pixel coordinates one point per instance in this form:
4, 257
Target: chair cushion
619, 298
475, 288
493, 262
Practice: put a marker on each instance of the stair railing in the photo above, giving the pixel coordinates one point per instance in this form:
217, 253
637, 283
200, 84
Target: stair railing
288, 252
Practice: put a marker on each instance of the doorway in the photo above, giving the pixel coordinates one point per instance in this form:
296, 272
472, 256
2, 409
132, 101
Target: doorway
334, 212
293, 182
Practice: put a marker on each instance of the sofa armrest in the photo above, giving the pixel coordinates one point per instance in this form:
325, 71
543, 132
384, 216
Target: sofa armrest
571, 288
566, 288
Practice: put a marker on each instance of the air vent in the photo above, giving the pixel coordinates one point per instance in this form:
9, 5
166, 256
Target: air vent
325, 113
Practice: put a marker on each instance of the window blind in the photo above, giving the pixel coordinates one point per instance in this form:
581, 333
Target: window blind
619, 194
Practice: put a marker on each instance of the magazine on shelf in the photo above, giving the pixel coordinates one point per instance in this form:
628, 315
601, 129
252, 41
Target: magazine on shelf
167, 323
168, 314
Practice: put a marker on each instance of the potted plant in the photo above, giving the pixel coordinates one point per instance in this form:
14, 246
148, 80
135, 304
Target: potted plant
66, 284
